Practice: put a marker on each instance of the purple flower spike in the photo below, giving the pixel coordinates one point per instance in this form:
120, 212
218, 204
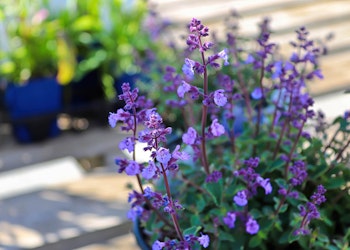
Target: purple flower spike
319, 197
219, 97
190, 137
230, 219
252, 227
241, 198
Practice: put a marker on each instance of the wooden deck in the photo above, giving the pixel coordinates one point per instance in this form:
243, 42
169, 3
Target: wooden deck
320, 17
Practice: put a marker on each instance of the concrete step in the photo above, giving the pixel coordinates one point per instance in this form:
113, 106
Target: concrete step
62, 212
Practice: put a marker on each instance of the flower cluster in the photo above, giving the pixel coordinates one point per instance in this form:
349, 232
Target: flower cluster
243, 165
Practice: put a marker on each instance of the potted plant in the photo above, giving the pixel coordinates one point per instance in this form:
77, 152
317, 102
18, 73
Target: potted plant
32, 66
278, 183
106, 36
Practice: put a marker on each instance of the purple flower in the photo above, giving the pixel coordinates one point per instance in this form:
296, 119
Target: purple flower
158, 245
134, 212
189, 138
215, 176
252, 162
223, 55
128, 144
178, 155
252, 227
187, 68
250, 59
130, 97
294, 58
265, 184
301, 231
204, 240
310, 211
113, 118
216, 128
133, 168
154, 120
298, 169
219, 97
230, 219
346, 115
257, 93
163, 155
241, 198
182, 89
319, 197
282, 191
150, 171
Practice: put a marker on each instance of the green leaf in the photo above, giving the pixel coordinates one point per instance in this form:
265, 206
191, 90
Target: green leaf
85, 23
215, 191
192, 230
319, 170
255, 213
200, 203
254, 241
276, 164
283, 208
292, 237
334, 183
266, 223
195, 219
323, 238
281, 183
226, 236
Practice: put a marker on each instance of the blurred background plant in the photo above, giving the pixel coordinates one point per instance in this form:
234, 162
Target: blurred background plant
89, 47
31, 41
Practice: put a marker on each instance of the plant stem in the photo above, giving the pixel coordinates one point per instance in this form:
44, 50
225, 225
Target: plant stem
285, 125
173, 215
257, 124
275, 111
282, 201
342, 151
293, 149
244, 90
204, 116
134, 129
191, 183
331, 141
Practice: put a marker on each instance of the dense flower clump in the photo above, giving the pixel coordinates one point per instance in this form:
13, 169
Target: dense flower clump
243, 171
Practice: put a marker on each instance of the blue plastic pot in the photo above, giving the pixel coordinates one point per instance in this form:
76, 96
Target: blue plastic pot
33, 109
139, 236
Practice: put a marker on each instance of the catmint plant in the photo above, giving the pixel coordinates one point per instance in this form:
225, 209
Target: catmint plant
252, 166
